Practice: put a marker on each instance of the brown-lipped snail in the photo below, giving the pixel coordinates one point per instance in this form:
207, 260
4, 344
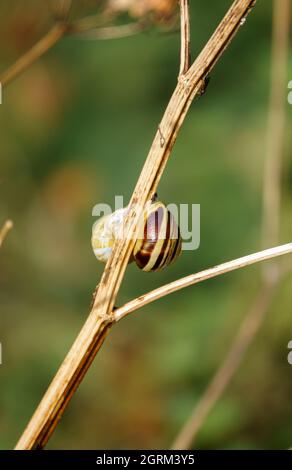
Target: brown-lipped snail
158, 240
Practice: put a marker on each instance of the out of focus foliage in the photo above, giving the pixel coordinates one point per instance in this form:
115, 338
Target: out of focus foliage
140, 8
75, 131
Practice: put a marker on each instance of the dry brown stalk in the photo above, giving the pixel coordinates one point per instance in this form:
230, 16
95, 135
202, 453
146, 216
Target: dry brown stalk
38, 50
114, 32
101, 316
185, 58
275, 128
4, 230
227, 369
192, 279
271, 273
89, 27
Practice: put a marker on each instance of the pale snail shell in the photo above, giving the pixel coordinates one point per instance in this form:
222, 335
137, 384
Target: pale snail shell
158, 242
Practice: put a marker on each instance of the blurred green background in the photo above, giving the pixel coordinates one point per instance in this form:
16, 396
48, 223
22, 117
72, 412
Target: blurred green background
75, 130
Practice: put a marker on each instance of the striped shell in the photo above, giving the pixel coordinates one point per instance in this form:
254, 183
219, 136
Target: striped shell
158, 240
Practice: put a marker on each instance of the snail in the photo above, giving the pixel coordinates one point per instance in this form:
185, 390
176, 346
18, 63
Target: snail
158, 240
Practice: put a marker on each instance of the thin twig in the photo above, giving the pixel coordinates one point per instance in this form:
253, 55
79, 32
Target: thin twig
275, 130
101, 317
4, 230
60, 9
187, 281
271, 275
65, 7
185, 57
89, 23
37, 51
114, 32
61, 28
222, 377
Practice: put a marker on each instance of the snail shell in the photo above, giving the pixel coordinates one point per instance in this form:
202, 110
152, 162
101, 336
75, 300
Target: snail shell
158, 241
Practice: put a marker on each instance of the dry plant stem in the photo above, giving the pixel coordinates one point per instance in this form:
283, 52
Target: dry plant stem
58, 31
276, 124
63, 9
4, 230
92, 22
93, 332
185, 37
210, 273
271, 275
41, 47
221, 379
114, 32
38, 50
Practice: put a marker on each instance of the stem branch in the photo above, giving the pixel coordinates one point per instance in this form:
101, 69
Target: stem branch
101, 316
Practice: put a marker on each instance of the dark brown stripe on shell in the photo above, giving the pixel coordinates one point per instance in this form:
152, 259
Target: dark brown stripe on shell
161, 255
151, 231
143, 256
